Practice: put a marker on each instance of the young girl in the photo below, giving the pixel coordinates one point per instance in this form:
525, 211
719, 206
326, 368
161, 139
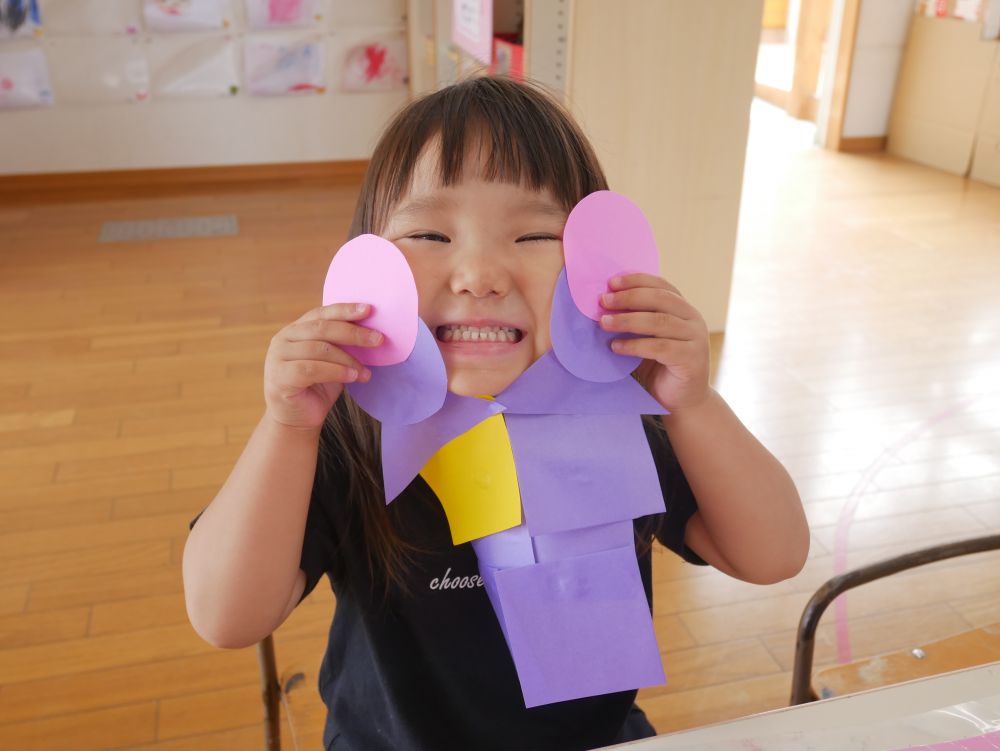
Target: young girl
473, 183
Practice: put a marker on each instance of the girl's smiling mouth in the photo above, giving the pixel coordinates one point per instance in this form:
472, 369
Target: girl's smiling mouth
478, 333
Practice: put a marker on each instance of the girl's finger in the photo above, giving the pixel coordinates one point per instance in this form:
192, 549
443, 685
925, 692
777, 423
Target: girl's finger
627, 281
316, 350
649, 348
649, 299
333, 331
298, 375
655, 324
341, 311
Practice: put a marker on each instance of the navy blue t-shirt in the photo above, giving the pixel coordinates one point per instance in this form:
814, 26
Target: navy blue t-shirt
428, 667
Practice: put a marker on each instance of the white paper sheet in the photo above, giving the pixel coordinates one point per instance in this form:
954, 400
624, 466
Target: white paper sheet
24, 78
98, 70
377, 65
185, 66
19, 19
74, 17
282, 67
270, 14
186, 15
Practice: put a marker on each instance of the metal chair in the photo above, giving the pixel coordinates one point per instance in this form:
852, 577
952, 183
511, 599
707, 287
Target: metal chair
802, 689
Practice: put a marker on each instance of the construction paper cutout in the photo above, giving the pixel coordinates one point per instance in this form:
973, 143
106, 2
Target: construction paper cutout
407, 448
410, 391
511, 547
474, 478
579, 627
581, 345
606, 235
547, 388
370, 269
583, 541
568, 483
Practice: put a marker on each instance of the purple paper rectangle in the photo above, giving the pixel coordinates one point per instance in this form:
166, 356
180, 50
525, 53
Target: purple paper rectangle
579, 627
510, 547
578, 471
583, 541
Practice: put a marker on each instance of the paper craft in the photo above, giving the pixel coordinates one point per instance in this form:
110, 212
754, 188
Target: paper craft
186, 67
545, 480
606, 235
264, 14
184, 15
91, 17
473, 476
19, 18
274, 68
376, 66
579, 626
116, 71
24, 79
371, 269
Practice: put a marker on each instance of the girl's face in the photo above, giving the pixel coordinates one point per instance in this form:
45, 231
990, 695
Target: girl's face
485, 256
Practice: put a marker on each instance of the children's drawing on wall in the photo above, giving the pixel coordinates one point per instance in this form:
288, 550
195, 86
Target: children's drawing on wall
278, 68
376, 66
24, 79
185, 15
91, 17
183, 67
18, 18
263, 14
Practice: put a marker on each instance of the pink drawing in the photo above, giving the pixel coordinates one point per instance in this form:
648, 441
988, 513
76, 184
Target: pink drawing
284, 11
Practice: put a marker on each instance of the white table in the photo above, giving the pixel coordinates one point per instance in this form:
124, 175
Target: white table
940, 708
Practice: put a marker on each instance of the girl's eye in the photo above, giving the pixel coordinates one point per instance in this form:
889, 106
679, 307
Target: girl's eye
431, 236
536, 238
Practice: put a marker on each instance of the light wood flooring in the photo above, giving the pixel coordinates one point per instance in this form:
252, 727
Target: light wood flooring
863, 348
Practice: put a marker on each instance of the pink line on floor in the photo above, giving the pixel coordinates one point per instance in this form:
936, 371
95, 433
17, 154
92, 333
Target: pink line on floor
846, 518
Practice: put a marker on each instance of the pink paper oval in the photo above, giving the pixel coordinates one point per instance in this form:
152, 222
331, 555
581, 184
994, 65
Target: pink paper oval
606, 235
370, 269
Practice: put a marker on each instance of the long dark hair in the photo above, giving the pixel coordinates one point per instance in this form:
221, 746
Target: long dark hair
527, 138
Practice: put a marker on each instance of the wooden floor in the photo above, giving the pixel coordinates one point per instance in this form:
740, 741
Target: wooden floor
863, 348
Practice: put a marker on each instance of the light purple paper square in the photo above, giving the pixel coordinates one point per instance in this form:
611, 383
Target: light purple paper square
584, 541
579, 627
578, 471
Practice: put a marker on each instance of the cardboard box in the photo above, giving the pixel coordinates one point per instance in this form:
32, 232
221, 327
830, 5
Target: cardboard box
940, 93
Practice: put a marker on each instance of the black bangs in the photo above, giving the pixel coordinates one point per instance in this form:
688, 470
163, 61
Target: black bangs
513, 131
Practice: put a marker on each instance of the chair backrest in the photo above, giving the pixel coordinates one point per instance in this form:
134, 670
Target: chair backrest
805, 640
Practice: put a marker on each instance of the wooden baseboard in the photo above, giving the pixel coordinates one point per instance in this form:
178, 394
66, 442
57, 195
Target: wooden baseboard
862, 145
69, 185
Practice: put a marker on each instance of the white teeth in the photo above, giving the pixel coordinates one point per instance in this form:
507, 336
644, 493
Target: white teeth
464, 333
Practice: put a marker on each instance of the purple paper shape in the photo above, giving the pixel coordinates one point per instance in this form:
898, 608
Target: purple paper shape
407, 448
569, 483
547, 388
507, 548
575, 542
410, 391
581, 345
370, 269
606, 235
489, 576
579, 627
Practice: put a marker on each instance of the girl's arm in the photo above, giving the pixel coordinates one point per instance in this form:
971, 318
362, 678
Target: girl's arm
750, 522
241, 560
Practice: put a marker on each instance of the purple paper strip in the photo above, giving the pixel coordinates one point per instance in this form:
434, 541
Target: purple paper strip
547, 388
579, 627
583, 541
407, 448
581, 345
577, 471
489, 576
409, 392
510, 547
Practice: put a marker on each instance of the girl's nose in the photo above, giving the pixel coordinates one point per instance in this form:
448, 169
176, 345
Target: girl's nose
479, 276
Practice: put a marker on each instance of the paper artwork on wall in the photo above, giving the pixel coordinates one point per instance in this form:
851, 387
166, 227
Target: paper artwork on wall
75, 17
115, 70
472, 27
193, 67
24, 79
274, 68
185, 15
269, 14
19, 18
379, 65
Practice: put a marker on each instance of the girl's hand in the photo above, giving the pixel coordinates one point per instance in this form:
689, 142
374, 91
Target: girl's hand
305, 369
673, 338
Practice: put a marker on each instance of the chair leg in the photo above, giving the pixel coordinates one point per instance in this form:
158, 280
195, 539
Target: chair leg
270, 693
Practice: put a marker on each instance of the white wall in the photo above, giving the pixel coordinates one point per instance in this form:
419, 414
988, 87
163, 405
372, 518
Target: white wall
878, 49
211, 132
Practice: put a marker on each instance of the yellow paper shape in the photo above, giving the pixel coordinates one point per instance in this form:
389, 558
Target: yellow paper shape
475, 480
